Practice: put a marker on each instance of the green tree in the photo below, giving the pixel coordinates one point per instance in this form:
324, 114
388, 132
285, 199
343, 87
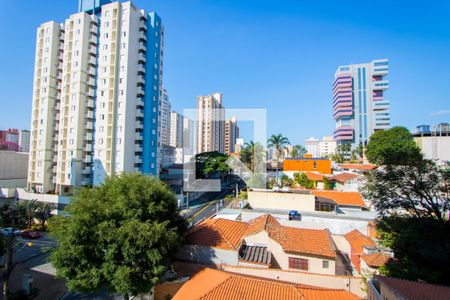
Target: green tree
303, 180
421, 190
29, 209
279, 143
120, 236
298, 151
286, 181
394, 146
211, 163
421, 247
44, 212
327, 184
253, 155
342, 153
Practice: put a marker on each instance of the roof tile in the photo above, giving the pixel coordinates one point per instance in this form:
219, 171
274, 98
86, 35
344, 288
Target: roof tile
414, 290
358, 240
341, 198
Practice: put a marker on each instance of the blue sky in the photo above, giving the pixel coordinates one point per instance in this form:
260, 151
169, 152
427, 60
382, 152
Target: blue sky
275, 54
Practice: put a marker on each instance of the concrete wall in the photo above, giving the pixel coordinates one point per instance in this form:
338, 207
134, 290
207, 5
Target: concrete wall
354, 285
13, 183
266, 199
258, 239
208, 255
14, 165
435, 147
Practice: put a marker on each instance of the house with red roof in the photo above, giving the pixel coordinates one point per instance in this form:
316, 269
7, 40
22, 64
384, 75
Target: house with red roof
261, 243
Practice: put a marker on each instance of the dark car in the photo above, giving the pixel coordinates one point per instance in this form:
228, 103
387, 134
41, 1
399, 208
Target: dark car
30, 234
295, 215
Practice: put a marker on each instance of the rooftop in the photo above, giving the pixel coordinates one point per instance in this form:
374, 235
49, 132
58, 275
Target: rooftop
376, 260
343, 177
255, 254
360, 167
209, 284
341, 198
358, 241
413, 290
314, 176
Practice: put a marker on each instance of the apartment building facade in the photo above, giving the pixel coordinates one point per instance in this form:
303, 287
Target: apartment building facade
176, 129
231, 134
359, 104
97, 87
210, 125
165, 111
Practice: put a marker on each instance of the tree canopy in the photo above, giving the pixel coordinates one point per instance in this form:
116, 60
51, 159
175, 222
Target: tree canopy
298, 151
278, 142
394, 146
120, 236
211, 163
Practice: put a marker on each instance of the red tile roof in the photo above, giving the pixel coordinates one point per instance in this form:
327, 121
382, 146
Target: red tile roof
341, 198
261, 223
228, 234
357, 241
314, 176
209, 284
343, 177
366, 167
217, 233
305, 241
413, 290
376, 260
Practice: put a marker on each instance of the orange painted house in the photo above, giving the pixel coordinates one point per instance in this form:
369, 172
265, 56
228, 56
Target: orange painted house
307, 163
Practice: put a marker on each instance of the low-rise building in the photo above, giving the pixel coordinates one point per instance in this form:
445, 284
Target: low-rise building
261, 243
348, 182
307, 164
361, 169
214, 284
434, 142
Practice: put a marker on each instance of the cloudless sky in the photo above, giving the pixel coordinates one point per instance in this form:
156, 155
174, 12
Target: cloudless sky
275, 54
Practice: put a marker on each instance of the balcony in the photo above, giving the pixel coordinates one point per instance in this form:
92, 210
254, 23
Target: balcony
91, 71
90, 103
86, 170
139, 102
87, 158
93, 39
142, 36
139, 125
88, 136
138, 160
92, 50
141, 58
141, 80
141, 69
89, 125
88, 148
89, 115
381, 85
139, 113
140, 91
90, 93
138, 148
139, 136
142, 46
143, 25
92, 60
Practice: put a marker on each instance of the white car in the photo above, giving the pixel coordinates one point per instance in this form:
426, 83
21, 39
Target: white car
7, 231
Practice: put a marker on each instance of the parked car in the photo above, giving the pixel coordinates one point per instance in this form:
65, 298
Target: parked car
7, 231
30, 234
295, 215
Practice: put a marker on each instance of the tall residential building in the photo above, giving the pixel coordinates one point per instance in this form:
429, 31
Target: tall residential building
231, 134
210, 128
176, 129
312, 146
359, 106
24, 141
165, 110
97, 85
327, 146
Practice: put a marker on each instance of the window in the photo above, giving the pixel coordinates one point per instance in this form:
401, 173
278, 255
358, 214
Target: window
298, 263
325, 264
315, 164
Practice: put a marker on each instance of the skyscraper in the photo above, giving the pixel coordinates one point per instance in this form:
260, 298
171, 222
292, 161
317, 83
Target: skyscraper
176, 129
97, 85
359, 106
231, 134
210, 128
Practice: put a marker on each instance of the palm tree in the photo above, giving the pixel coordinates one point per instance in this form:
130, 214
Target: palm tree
279, 143
29, 209
255, 154
298, 151
44, 212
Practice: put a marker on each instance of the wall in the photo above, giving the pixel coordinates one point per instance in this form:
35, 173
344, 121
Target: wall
435, 147
266, 199
354, 285
258, 239
14, 165
208, 255
321, 165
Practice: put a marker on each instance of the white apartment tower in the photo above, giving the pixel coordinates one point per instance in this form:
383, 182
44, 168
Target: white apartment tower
97, 85
210, 128
176, 129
